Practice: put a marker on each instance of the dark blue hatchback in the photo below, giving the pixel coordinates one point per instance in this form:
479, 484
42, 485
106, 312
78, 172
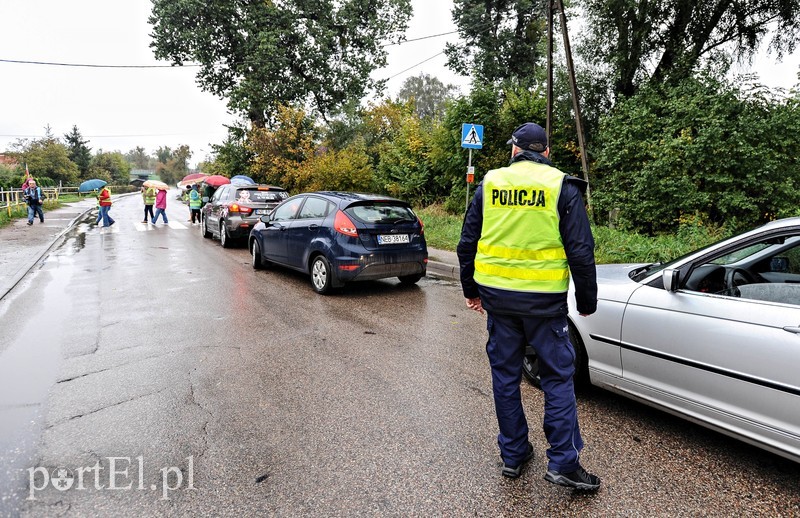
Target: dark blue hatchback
339, 237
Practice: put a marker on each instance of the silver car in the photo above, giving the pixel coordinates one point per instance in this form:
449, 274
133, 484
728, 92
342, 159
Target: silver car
713, 337
234, 209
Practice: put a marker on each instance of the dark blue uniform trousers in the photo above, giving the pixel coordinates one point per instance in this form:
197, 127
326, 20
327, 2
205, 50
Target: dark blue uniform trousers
508, 337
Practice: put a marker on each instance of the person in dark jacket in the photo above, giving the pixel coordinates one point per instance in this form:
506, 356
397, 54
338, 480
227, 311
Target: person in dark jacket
524, 234
35, 199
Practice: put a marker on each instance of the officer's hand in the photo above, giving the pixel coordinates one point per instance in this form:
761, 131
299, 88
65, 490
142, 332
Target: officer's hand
475, 304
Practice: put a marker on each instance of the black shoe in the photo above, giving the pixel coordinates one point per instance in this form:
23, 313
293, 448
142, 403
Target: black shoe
578, 479
516, 471
30, 223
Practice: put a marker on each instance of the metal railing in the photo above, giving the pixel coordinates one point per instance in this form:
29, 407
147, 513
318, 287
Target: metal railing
13, 198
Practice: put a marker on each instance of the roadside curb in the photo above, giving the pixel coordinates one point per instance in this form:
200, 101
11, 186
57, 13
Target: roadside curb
7, 285
443, 270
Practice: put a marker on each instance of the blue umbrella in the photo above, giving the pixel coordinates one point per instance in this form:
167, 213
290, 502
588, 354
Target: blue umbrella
90, 185
242, 180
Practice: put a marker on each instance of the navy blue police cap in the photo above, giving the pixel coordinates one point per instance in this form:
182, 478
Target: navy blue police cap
529, 136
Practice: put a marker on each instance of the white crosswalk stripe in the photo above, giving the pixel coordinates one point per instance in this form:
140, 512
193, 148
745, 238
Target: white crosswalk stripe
144, 227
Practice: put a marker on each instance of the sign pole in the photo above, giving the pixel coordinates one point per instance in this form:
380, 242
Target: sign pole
469, 168
471, 138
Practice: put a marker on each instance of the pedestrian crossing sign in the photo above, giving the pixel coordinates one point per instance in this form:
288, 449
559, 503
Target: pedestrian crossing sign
471, 136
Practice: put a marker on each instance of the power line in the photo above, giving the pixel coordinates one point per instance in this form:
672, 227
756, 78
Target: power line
88, 65
415, 66
50, 63
420, 38
111, 136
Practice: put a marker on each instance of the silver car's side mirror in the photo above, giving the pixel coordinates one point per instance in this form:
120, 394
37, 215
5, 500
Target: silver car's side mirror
671, 279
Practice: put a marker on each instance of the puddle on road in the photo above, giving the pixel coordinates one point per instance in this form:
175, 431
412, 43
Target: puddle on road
29, 367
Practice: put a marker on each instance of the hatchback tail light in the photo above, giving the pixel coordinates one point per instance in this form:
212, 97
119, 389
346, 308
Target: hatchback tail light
421, 226
344, 225
235, 207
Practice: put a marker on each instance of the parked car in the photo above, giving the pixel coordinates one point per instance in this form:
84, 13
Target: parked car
713, 337
233, 210
339, 237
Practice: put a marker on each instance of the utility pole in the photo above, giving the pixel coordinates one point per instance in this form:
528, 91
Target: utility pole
558, 5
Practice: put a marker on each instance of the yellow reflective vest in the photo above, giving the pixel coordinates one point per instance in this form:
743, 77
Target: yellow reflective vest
149, 196
520, 248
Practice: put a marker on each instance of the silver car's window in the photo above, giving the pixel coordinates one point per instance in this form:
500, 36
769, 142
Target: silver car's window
738, 255
256, 196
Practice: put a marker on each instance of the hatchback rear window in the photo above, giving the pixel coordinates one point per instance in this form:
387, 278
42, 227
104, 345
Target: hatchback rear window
382, 213
257, 196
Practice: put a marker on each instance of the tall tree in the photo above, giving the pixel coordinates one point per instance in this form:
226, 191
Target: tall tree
181, 157
645, 41
78, 151
163, 154
138, 157
48, 158
500, 40
111, 166
232, 157
428, 93
260, 55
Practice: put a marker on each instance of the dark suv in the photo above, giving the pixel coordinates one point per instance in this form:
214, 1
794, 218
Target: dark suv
234, 209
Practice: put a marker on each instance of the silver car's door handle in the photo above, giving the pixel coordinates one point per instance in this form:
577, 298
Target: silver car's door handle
792, 329
313, 226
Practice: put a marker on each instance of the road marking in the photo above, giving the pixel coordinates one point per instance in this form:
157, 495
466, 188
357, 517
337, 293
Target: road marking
175, 224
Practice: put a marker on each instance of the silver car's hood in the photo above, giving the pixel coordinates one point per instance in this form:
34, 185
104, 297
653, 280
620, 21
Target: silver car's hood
616, 272
614, 282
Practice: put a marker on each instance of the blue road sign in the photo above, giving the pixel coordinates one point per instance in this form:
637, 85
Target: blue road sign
471, 136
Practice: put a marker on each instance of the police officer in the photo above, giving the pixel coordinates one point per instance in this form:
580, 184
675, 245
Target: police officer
524, 233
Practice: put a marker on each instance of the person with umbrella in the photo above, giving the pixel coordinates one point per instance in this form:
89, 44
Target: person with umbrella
149, 198
105, 206
35, 199
161, 206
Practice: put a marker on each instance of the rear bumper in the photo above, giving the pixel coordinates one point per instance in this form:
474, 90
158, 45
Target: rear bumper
239, 227
372, 266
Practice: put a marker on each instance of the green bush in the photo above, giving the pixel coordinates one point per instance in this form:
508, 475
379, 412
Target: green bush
699, 148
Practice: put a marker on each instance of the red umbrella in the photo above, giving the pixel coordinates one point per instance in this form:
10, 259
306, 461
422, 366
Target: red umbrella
215, 180
194, 176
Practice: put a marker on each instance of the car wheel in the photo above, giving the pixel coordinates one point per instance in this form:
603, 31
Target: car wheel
224, 240
410, 279
255, 251
530, 363
321, 275
204, 228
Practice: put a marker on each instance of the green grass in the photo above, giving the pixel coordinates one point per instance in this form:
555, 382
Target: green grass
16, 213
442, 230
21, 211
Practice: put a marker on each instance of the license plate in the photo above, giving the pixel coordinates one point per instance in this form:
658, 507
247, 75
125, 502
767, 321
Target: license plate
391, 239
261, 212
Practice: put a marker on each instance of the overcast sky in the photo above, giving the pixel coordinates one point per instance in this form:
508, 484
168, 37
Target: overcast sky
119, 109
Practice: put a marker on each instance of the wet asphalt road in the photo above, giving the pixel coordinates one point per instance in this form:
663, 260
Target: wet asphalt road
158, 351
